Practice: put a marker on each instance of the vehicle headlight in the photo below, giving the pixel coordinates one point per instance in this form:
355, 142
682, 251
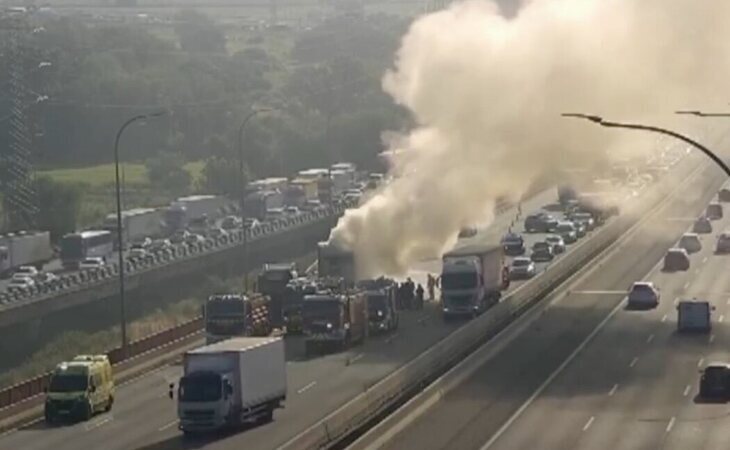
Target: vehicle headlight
380, 313
446, 309
329, 326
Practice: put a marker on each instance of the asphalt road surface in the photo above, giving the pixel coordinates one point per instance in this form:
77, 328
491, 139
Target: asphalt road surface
630, 385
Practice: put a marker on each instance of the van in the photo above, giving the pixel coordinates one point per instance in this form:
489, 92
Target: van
79, 388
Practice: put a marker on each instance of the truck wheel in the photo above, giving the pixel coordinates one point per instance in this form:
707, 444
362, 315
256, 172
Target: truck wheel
109, 403
88, 412
48, 416
267, 416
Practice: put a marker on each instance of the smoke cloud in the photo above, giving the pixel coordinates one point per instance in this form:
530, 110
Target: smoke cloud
487, 93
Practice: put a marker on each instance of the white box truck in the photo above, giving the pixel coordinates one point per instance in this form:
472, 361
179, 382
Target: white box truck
694, 316
472, 279
195, 207
137, 224
24, 248
231, 382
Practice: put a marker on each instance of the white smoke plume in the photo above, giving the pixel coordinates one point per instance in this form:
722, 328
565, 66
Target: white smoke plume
487, 93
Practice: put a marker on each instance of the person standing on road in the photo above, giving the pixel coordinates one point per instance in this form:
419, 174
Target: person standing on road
431, 284
419, 296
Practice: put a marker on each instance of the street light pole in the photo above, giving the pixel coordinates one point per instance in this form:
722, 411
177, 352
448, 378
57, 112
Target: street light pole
633, 126
242, 190
120, 249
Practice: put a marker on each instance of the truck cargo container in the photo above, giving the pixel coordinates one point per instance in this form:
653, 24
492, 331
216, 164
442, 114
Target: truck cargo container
235, 315
258, 203
334, 261
268, 184
694, 316
229, 383
472, 279
309, 186
334, 319
137, 224
184, 209
24, 248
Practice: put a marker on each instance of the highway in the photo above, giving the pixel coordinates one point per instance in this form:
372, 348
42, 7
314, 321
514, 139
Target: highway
143, 416
588, 374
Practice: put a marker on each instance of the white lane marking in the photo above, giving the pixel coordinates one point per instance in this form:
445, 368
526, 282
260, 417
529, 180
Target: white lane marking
664, 318
553, 375
588, 292
671, 424
304, 389
168, 425
686, 285
357, 357
700, 362
686, 390
98, 423
650, 338
613, 390
8, 432
391, 338
721, 318
634, 361
727, 302
704, 260
712, 338
588, 424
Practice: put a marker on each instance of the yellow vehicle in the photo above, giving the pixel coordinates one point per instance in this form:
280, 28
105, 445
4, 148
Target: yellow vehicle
79, 388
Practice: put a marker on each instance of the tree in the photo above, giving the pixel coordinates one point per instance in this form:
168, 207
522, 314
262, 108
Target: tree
59, 206
198, 33
166, 170
220, 176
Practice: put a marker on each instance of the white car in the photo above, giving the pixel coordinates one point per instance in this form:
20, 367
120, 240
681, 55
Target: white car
20, 284
137, 252
522, 267
644, 294
26, 271
91, 263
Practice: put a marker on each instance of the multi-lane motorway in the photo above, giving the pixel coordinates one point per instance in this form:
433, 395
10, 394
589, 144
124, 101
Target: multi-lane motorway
586, 372
143, 416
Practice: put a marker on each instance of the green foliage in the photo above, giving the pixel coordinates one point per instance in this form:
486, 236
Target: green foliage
198, 33
220, 176
166, 171
59, 206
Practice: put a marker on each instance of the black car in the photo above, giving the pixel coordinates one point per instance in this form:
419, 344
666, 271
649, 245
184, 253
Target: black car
540, 223
514, 244
702, 225
724, 195
715, 381
676, 259
542, 251
723, 243
714, 211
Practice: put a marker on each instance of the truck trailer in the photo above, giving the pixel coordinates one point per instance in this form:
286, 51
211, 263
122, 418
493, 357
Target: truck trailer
335, 261
232, 382
24, 248
472, 279
186, 209
137, 224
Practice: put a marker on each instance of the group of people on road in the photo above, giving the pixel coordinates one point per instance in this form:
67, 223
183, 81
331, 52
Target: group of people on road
410, 295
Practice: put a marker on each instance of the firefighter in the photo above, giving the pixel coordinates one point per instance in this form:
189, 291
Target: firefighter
410, 293
419, 296
431, 284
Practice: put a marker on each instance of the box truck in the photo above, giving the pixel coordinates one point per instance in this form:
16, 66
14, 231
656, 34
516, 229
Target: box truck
186, 209
472, 279
137, 224
335, 261
24, 248
229, 383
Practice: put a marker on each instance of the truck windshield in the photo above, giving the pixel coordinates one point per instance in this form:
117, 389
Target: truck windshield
225, 308
69, 383
200, 388
327, 309
377, 302
464, 280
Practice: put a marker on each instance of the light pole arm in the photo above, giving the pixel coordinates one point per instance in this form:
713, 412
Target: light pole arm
632, 126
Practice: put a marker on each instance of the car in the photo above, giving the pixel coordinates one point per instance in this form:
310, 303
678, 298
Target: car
137, 252
275, 213
92, 263
513, 244
217, 232
20, 284
292, 210
676, 259
557, 243
724, 195
311, 205
194, 238
522, 267
702, 225
690, 242
566, 230
179, 237
584, 218
542, 251
540, 222
26, 271
46, 277
643, 294
143, 243
723, 243
159, 245
580, 228
715, 381
467, 232
231, 223
714, 211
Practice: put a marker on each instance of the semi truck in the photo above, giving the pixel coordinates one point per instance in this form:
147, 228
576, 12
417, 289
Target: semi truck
137, 224
335, 261
230, 383
335, 318
234, 315
24, 248
185, 209
272, 282
472, 279
694, 316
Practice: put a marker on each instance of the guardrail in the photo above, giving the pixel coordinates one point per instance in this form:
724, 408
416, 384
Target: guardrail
420, 371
